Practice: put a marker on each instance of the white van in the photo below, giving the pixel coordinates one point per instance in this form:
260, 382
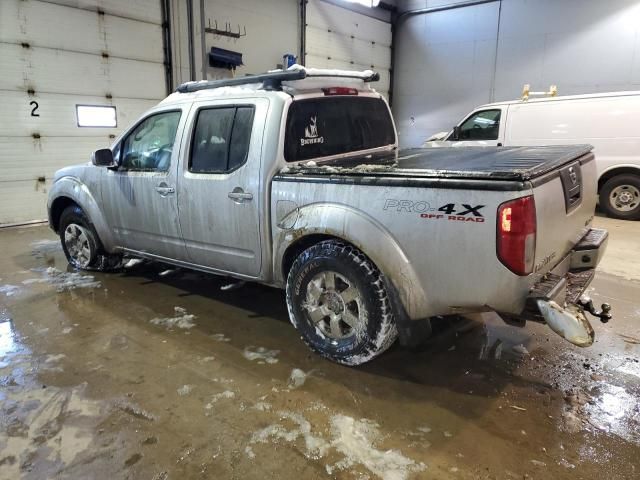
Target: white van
608, 121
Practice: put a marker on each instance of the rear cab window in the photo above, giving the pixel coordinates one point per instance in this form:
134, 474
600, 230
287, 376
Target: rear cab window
333, 125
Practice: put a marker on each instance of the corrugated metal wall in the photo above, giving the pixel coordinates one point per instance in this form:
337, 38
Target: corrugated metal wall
54, 55
340, 38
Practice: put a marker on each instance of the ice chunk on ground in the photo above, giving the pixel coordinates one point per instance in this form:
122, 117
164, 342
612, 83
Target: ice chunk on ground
297, 378
181, 319
262, 406
185, 390
64, 281
232, 286
520, 349
220, 337
54, 358
249, 452
9, 290
261, 354
134, 410
133, 262
219, 396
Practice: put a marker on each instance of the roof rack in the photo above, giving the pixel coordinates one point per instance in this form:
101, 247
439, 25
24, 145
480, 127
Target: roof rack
273, 80
526, 92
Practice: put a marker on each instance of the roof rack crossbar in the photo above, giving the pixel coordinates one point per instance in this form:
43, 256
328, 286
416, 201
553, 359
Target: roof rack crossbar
270, 81
271, 78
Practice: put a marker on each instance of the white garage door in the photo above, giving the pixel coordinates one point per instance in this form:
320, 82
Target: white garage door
55, 55
340, 38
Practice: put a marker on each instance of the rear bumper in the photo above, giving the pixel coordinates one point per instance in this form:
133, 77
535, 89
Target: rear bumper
571, 277
555, 300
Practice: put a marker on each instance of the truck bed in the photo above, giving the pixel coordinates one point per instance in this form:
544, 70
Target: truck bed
514, 164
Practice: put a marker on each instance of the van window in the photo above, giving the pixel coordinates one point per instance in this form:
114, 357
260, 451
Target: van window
320, 127
484, 125
221, 139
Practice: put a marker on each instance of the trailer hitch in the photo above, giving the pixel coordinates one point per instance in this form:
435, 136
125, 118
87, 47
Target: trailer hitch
604, 315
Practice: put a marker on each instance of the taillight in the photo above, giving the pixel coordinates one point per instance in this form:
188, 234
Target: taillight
340, 91
516, 234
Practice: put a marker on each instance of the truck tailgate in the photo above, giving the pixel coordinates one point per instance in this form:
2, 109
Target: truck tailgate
565, 201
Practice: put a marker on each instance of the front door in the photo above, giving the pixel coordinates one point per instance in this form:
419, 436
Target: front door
140, 196
484, 128
220, 186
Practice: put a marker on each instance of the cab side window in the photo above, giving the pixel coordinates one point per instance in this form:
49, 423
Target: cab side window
149, 146
221, 139
484, 125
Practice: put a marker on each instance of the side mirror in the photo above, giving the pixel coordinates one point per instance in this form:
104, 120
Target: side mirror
103, 158
456, 133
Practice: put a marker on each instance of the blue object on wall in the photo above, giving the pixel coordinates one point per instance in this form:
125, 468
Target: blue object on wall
289, 59
221, 58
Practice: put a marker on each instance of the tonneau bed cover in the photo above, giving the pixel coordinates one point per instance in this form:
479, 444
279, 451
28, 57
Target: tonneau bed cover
517, 164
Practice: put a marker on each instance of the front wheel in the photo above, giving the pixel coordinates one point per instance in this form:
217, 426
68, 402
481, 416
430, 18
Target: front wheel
338, 302
81, 244
620, 197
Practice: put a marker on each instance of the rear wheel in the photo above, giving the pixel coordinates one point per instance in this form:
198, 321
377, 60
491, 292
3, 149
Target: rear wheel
338, 302
81, 244
620, 197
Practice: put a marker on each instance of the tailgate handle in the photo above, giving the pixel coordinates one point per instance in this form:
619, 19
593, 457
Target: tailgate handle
571, 178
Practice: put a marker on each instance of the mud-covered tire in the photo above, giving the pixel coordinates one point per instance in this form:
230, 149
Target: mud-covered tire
375, 330
74, 220
627, 185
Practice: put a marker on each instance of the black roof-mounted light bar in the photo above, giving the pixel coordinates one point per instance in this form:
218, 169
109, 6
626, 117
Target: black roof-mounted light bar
270, 81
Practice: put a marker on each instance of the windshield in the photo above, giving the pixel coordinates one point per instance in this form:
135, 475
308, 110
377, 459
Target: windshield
320, 127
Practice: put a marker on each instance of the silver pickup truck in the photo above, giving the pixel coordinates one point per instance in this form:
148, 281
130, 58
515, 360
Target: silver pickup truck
294, 179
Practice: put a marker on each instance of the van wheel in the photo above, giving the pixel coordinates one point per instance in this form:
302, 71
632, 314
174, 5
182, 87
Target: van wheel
81, 244
620, 197
338, 302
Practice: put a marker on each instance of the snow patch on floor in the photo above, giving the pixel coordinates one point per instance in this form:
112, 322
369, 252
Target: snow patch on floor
297, 378
261, 354
63, 281
354, 439
133, 262
9, 290
262, 406
185, 390
181, 319
220, 337
227, 394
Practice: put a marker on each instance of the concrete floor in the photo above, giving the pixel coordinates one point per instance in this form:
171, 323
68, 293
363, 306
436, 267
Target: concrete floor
111, 380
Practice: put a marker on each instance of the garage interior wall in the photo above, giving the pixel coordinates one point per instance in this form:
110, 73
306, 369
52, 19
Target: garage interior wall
55, 55
272, 29
338, 35
347, 39
449, 62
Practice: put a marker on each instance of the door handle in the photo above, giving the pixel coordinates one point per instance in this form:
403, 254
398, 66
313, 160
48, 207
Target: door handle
238, 195
164, 189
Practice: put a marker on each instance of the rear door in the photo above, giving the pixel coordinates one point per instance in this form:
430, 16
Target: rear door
219, 185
